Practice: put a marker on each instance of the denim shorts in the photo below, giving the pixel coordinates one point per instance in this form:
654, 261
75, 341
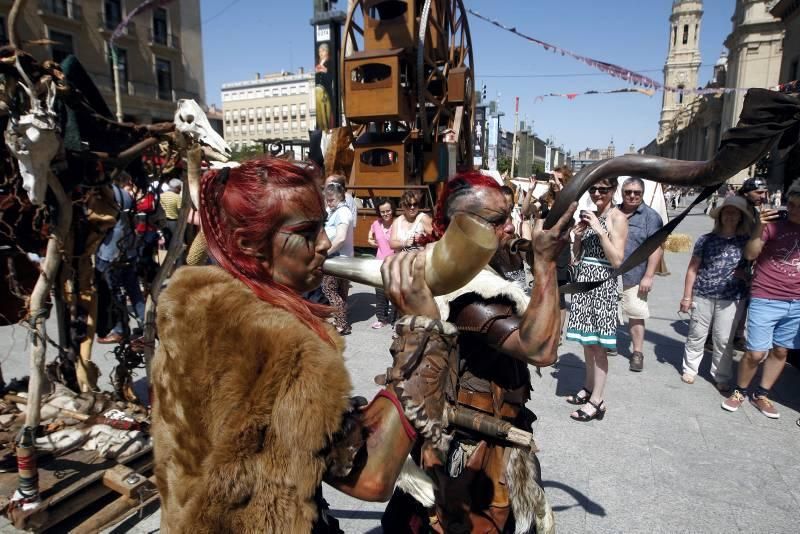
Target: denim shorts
773, 323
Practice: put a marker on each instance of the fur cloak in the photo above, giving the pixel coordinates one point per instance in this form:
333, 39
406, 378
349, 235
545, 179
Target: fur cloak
245, 400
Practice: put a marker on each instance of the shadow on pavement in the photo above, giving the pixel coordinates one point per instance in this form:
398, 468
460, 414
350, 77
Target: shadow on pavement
361, 307
581, 499
569, 373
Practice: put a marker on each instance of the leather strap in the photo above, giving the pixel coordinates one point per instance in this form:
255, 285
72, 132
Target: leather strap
496, 321
391, 397
484, 402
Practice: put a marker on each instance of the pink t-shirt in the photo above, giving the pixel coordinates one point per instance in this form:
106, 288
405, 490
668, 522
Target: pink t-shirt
777, 273
382, 238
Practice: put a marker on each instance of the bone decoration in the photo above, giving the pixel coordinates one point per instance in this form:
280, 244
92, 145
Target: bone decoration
34, 140
191, 121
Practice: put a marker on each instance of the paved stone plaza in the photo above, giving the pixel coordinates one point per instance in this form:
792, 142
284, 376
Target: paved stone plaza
666, 458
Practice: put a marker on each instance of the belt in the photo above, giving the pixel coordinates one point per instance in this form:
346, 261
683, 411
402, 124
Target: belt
485, 403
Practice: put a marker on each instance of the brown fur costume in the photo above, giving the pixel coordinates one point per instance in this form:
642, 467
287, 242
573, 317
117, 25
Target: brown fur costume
246, 399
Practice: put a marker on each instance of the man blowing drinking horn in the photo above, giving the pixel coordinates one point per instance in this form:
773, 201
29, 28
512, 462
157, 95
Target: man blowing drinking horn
493, 331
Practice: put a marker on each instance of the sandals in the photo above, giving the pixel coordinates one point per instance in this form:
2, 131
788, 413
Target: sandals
576, 399
583, 417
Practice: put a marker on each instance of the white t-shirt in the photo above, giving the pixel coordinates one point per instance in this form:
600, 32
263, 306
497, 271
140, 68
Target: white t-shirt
341, 215
351, 203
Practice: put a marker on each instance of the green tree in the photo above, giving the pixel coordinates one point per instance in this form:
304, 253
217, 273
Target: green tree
504, 165
246, 152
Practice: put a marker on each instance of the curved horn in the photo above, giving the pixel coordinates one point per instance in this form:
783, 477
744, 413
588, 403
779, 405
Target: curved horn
765, 116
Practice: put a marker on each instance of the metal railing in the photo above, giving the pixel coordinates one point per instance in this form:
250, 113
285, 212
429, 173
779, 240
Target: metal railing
169, 40
63, 8
110, 24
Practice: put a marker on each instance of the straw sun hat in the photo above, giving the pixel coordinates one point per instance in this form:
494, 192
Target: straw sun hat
737, 202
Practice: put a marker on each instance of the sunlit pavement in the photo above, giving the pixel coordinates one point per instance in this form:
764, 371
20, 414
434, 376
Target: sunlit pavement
666, 458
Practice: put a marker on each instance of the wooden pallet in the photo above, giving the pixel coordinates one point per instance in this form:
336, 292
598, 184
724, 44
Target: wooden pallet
74, 482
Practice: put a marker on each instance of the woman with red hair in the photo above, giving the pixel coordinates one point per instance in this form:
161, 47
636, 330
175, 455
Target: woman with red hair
251, 403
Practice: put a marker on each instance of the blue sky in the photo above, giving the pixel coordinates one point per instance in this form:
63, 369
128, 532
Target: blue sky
242, 37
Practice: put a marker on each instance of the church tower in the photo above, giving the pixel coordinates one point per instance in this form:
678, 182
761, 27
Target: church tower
683, 60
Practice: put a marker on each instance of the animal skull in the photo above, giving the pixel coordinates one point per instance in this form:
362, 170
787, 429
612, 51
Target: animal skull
34, 140
191, 121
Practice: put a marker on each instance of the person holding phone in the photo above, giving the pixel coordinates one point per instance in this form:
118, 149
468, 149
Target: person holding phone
598, 248
773, 315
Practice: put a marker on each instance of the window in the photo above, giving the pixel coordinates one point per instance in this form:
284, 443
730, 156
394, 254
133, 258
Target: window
160, 26
260, 113
294, 110
284, 90
674, 35
62, 47
685, 33
236, 129
303, 125
227, 116
275, 111
303, 110
285, 110
112, 13
242, 114
252, 128
294, 125
122, 64
260, 127
285, 127
164, 79
228, 131
251, 113
680, 94
3, 36
293, 90
696, 31
304, 88
268, 127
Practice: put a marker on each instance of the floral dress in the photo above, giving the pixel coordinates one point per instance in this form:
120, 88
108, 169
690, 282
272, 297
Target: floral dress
593, 314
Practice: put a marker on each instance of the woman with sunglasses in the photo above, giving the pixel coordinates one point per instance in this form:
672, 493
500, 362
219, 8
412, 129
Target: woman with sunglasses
598, 249
251, 406
409, 230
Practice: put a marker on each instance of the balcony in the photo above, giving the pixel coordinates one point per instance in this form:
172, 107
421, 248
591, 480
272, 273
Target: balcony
106, 24
166, 40
64, 9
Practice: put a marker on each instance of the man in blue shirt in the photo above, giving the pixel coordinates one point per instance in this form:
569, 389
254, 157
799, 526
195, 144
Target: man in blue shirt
643, 221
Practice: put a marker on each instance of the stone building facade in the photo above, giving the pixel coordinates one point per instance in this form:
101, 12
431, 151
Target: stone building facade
683, 60
160, 55
278, 106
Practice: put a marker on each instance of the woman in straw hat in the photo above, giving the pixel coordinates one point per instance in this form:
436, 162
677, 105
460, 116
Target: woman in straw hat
714, 289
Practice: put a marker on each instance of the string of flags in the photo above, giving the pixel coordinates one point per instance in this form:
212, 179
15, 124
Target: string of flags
645, 85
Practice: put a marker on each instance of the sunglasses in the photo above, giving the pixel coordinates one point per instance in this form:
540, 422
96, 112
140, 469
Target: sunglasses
601, 190
632, 192
412, 204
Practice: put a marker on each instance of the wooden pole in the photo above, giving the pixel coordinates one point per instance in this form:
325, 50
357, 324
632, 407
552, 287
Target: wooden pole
514, 143
38, 310
176, 247
16, 9
28, 475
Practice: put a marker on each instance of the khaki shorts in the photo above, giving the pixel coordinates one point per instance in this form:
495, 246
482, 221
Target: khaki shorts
633, 305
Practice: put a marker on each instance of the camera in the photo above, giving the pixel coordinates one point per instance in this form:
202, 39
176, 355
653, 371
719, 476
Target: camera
783, 215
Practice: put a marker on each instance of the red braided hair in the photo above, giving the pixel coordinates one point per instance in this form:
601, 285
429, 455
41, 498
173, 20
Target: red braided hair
251, 203
462, 184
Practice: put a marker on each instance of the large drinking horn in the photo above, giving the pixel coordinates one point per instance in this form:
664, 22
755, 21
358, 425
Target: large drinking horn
465, 248
766, 116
